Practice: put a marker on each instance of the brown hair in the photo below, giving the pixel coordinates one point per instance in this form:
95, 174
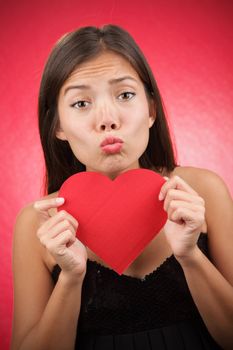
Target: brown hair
70, 51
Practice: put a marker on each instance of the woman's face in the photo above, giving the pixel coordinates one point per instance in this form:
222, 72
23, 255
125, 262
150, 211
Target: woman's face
104, 101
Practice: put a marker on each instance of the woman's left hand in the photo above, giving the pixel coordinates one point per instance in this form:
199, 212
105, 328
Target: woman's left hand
186, 216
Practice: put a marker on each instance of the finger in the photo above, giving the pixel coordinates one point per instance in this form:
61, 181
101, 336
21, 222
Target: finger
57, 229
58, 217
46, 204
58, 245
173, 194
188, 216
63, 226
177, 183
175, 204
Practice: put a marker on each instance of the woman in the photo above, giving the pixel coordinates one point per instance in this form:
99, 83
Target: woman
97, 86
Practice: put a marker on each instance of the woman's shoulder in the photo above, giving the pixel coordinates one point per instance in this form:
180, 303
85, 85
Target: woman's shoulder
29, 213
191, 172
26, 225
28, 216
202, 180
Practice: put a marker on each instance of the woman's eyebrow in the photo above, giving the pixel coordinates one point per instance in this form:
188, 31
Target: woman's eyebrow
111, 82
81, 87
118, 80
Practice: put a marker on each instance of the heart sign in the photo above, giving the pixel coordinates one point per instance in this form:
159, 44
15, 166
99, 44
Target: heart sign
117, 218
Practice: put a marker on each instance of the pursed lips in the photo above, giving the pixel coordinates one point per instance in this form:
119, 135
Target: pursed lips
111, 145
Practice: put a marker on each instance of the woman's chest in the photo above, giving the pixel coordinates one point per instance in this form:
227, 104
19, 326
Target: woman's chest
153, 255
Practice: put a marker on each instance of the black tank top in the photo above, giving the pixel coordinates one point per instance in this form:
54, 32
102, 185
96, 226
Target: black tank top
156, 312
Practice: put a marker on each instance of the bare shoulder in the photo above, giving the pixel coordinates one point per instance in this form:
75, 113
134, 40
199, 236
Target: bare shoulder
26, 225
205, 182
199, 177
28, 215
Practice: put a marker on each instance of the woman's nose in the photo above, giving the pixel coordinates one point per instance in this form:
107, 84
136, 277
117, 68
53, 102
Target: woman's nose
108, 126
107, 120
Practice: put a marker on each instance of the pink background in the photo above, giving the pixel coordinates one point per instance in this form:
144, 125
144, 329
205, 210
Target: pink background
189, 46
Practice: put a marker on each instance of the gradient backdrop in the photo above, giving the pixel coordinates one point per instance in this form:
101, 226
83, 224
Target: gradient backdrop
187, 43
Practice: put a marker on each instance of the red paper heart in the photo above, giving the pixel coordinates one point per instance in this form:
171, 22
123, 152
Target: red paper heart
117, 218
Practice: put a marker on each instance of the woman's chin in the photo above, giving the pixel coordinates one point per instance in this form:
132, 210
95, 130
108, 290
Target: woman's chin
113, 172
114, 166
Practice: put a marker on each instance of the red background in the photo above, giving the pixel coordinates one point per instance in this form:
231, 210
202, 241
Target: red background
188, 43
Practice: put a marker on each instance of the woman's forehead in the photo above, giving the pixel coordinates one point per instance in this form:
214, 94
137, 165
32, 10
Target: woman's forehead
106, 64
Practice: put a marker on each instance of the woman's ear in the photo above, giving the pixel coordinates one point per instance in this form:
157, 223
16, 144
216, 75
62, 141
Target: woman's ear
60, 134
152, 112
151, 120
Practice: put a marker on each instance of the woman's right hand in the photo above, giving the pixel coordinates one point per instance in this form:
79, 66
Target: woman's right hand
58, 234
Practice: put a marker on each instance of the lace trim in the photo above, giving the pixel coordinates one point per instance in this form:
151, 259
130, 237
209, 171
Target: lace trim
103, 268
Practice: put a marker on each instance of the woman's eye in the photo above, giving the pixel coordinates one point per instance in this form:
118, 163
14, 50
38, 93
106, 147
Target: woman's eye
126, 95
80, 104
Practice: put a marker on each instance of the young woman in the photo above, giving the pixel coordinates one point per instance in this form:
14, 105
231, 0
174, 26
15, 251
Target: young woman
178, 294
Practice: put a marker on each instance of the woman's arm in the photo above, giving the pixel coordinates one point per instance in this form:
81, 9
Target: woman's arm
213, 296
45, 316
210, 282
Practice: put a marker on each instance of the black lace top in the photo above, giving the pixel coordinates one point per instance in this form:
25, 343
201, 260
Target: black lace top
121, 312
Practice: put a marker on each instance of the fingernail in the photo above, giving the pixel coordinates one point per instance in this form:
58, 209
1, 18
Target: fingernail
160, 196
60, 200
166, 178
35, 205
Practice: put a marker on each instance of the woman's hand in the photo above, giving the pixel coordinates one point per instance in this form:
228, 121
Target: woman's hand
58, 234
186, 215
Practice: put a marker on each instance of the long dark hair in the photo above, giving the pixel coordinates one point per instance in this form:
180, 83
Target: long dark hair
70, 51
